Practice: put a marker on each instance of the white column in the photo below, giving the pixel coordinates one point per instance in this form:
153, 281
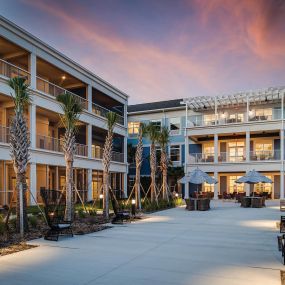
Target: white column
186, 186
216, 186
33, 182
216, 148
89, 140
5, 184
89, 184
125, 150
57, 178
247, 146
216, 111
247, 189
282, 164
126, 114
247, 108
125, 184
33, 124
89, 97
33, 70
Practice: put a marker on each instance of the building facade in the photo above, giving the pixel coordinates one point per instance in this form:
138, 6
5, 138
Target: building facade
165, 113
226, 136
50, 73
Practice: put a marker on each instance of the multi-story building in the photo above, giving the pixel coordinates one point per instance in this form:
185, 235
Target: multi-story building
226, 136
165, 113
49, 73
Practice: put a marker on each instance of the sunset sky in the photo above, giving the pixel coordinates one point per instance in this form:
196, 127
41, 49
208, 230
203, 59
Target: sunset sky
165, 49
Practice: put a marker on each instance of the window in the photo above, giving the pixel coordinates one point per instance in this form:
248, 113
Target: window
209, 187
263, 187
208, 152
133, 128
175, 152
236, 151
235, 187
157, 124
263, 114
209, 119
174, 126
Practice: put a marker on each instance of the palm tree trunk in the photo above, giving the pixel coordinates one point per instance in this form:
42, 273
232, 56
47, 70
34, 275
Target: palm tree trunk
106, 194
69, 191
138, 189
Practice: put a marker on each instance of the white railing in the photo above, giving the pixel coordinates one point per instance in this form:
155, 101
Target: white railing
4, 134
227, 157
54, 144
202, 157
234, 118
10, 70
102, 111
55, 90
117, 156
265, 155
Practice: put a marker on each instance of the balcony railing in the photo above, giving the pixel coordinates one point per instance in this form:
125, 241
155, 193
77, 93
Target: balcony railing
4, 134
55, 90
234, 118
265, 155
117, 156
10, 70
54, 144
102, 111
227, 157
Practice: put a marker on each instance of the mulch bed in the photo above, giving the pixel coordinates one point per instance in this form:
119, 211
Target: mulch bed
15, 248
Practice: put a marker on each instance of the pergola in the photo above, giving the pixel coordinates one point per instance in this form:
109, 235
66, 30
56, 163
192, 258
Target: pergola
265, 96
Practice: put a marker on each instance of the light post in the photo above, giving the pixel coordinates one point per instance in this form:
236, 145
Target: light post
101, 196
133, 207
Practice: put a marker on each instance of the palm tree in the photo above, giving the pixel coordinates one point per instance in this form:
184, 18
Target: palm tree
72, 109
139, 160
152, 134
107, 155
19, 144
163, 141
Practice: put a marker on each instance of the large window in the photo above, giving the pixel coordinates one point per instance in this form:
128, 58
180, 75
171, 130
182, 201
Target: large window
209, 119
263, 150
263, 114
174, 126
236, 151
133, 128
263, 187
209, 187
175, 153
157, 124
233, 186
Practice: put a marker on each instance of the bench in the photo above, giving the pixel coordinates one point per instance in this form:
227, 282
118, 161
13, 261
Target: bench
121, 217
54, 208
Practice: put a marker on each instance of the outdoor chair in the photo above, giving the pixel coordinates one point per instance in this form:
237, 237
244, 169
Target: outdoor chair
245, 202
257, 202
54, 208
282, 205
190, 204
281, 246
121, 215
282, 224
203, 204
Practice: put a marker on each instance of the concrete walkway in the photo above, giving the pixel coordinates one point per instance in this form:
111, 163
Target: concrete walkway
227, 245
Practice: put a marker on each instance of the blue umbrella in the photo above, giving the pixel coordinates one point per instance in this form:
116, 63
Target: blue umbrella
197, 176
253, 177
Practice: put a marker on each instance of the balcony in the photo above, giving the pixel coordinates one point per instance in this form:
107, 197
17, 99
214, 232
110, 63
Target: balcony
226, 157
101, 111
54, 144
55, 90
97, 152
227, 118
117, 156
10, 70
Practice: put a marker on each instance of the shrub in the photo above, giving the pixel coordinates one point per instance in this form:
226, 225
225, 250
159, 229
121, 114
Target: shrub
33, 221
2, 228
81, 214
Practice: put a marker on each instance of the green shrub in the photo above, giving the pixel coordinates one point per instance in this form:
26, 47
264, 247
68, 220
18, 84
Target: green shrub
33, 221
2, 228
81, 214
12, 223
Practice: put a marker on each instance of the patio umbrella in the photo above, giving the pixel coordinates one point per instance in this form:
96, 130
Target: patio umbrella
197, 176
253, 177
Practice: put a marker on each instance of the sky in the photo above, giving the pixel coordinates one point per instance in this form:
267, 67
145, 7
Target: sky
164, 49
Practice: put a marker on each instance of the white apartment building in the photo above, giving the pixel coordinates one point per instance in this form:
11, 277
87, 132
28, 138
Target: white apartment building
227, 136
50, 73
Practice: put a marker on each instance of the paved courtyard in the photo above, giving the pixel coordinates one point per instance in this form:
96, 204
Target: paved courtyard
227, 245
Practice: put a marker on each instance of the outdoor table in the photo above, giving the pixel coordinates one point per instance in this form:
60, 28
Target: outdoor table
196, 204
253, 202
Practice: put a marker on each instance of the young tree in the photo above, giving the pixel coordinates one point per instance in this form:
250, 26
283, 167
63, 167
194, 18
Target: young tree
139, 160
107, 156
152, 134
163, 141
19, 145
72, 109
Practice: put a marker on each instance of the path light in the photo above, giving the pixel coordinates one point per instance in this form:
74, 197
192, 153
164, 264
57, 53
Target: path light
133, 207
101, 196
176, 195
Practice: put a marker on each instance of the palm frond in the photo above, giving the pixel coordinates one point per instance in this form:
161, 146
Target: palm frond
22, 95
111, 120
152, 132
164, 137
72, 108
